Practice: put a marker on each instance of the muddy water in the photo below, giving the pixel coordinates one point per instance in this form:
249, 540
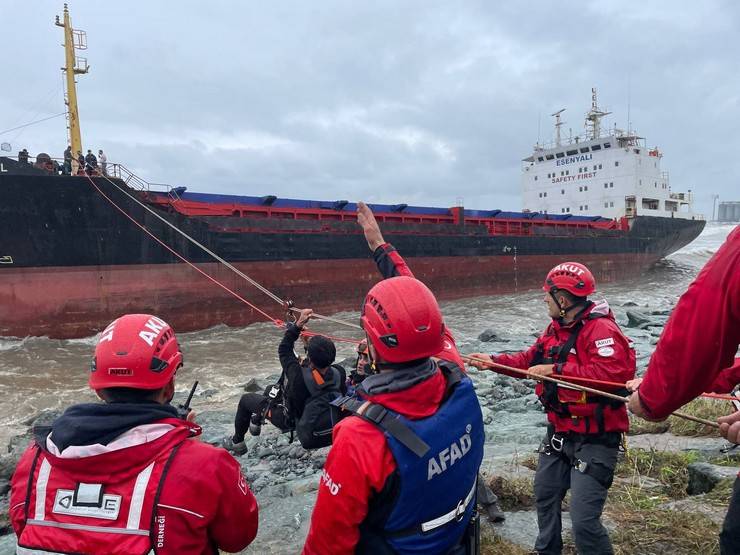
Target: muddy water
39, 373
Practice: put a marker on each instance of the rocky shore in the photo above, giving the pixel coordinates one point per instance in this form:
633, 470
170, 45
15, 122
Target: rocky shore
285, 477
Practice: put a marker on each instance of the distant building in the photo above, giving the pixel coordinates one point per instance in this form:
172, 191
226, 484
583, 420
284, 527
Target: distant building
729, 211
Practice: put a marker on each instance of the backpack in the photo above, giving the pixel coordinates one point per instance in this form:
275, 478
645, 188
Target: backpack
314, 428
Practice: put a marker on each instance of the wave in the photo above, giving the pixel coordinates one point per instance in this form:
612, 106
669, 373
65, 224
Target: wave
703, 247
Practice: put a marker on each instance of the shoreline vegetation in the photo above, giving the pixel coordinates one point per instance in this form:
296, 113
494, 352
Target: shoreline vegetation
663, 500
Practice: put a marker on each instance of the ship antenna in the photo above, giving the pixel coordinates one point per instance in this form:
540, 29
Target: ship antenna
539, 118
629, 105
558, 125
73, 40
593, 118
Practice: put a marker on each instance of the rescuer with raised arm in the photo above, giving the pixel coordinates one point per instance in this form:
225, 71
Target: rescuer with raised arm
401, 473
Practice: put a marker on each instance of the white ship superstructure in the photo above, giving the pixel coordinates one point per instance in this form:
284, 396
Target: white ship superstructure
610, 174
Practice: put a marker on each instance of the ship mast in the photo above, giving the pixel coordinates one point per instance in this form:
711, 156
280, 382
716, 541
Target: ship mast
73, 39
593, 118
558, 125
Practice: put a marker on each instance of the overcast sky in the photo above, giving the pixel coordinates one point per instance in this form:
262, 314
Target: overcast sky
399, 101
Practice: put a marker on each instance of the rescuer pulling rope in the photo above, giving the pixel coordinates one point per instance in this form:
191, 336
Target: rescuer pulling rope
525, 374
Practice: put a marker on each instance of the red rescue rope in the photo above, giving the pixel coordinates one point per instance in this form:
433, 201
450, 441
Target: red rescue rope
620, 385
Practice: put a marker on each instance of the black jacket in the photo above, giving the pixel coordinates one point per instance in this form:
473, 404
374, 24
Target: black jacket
296, 393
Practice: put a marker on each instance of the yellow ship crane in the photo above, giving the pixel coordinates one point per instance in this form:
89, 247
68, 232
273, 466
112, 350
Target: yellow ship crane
73, 40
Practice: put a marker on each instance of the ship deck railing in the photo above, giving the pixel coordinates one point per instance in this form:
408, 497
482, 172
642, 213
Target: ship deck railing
245, 218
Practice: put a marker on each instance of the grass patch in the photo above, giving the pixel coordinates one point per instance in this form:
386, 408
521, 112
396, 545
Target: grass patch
514, 494
493, 544
530, 461
668, 467
720, 494
709, 409
661, 531
731, 458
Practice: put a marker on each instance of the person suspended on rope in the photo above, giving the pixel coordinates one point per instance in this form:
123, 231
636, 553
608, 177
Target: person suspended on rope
300, 400
579, 451
361, 369
127, 475
401, 474
699, 340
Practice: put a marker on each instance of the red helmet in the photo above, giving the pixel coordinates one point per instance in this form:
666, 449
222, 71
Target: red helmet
571, 276
138, 351
402, 320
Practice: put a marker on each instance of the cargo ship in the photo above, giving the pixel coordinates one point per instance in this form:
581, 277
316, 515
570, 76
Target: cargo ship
76, 246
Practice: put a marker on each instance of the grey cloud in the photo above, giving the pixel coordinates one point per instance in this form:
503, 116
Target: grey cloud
419, 102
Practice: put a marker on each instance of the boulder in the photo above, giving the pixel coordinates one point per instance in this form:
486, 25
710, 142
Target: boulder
638, 320
252, 386
487, 335
703, 476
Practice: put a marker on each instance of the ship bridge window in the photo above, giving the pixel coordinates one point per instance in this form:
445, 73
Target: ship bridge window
596, 147
562, 191
607, 145
651, 204
611, 184
559, 154
637, 151
599, 166
572, 152
535, 178
584, 149
540, 159
616, 164
549, 156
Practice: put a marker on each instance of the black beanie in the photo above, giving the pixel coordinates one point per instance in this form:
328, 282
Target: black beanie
321, 351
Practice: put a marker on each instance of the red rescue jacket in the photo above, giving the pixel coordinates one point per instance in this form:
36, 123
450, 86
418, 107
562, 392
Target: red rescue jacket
601, 351
700, 338
152, 487
727, 379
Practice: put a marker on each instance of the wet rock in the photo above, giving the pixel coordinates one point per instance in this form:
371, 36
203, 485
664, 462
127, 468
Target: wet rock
487, 415
629, 303
638, 320
7, 542
252, 386
43, 418
488, 336
521, 388
703, 477
4, 487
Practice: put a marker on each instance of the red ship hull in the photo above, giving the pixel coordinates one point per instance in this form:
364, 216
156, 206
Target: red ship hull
67, 302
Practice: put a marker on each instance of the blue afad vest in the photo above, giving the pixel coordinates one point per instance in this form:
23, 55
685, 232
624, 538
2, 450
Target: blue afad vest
437, 458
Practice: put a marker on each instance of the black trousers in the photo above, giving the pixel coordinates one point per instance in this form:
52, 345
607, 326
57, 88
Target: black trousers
255, 403
589, 483
729, 538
